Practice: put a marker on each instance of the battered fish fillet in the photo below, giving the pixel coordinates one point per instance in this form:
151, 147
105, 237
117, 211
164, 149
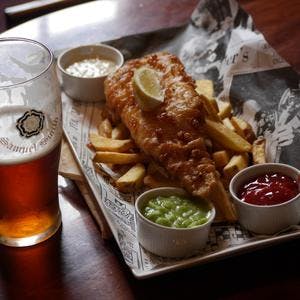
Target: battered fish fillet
173, 135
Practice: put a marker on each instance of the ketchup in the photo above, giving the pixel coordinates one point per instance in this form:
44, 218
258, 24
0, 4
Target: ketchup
269, 189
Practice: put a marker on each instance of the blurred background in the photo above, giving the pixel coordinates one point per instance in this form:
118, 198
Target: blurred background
15, 12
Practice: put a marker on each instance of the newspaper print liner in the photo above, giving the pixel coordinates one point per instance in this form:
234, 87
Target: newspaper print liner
220, 44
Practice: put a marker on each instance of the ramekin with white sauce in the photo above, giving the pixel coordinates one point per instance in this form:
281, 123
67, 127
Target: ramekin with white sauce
83, 70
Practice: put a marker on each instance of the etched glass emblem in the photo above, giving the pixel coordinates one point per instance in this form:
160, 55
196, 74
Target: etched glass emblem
31, 123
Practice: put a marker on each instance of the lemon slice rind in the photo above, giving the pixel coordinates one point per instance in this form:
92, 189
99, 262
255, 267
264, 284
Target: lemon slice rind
147, 89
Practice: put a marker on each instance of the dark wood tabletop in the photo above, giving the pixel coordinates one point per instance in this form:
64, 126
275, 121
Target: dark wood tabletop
77, 263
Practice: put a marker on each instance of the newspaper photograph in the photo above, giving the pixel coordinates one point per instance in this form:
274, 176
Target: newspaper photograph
220, 44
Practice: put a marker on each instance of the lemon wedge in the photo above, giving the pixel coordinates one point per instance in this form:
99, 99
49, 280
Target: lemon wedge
147, 89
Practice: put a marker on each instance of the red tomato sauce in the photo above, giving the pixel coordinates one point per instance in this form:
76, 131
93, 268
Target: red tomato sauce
269, 189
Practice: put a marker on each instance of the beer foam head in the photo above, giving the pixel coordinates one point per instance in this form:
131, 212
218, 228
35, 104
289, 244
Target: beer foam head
26, 135
30, 105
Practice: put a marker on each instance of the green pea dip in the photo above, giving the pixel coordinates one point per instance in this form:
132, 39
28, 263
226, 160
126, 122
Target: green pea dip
176, 211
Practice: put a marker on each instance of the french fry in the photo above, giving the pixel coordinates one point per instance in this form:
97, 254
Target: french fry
118, 158
225, 109
120, 132
236, 164
132, 179
258, 151
226, 137
205, 87
105, 128
243, 128
214, 104
221, 158
106, 144
224, 208
228, 124
211, 110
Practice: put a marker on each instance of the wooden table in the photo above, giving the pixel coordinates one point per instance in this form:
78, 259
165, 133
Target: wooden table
76, 263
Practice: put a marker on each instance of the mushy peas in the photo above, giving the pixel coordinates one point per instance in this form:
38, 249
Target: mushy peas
177, 211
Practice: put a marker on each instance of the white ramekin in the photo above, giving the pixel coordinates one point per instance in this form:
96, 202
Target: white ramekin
265, 219
86, 89
167, 241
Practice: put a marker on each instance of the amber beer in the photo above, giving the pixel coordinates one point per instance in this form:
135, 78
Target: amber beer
29, 197
30, 139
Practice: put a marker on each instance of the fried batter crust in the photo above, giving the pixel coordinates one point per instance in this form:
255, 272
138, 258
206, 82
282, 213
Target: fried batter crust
173, 134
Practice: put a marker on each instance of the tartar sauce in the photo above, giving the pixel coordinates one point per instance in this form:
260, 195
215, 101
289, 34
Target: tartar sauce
93, 67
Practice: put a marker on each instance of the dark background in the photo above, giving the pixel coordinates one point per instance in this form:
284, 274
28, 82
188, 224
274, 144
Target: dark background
3, 4
46, 6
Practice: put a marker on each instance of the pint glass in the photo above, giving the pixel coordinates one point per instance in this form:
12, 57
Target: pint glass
30, 137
